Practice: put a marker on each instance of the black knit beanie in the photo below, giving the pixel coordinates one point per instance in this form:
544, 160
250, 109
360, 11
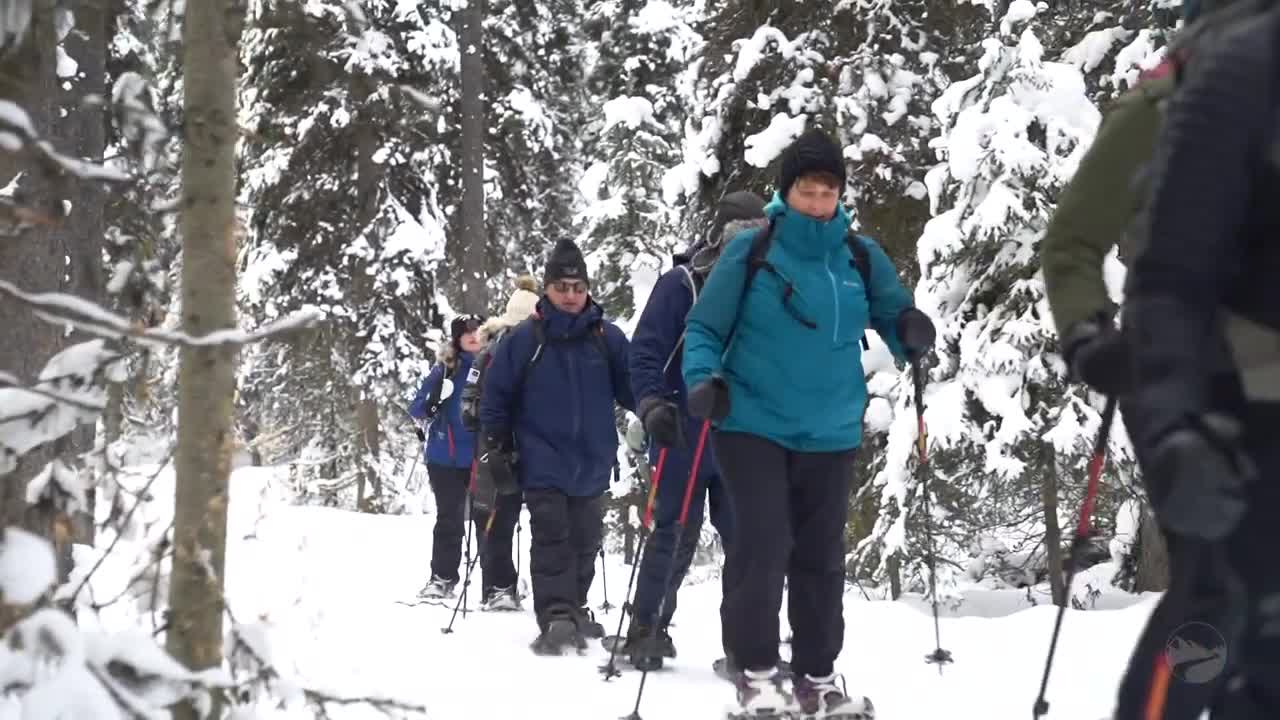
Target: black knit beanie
813, 152
460, 326
566, 263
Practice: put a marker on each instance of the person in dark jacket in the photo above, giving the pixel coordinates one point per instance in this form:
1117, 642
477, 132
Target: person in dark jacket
777, 366
547, 416
448, 452
662, 407
1207, 275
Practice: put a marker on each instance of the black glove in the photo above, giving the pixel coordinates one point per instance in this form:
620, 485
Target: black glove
498, 460
422, 435
1098, 355
710, 399
1199, 476
662, 420
916, 333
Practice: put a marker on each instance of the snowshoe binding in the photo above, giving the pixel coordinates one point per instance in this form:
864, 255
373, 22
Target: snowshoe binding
561, 634
501, 600
727, 671
822, 699
640, 649
587, 625
760, 696
437, 588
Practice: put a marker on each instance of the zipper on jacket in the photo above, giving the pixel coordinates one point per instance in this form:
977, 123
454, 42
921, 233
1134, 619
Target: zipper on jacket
452, 455
575, 384
835, 297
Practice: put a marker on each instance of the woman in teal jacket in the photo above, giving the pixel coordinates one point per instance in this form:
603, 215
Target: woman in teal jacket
776, 365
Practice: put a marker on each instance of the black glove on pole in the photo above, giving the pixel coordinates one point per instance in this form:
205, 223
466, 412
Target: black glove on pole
709, 399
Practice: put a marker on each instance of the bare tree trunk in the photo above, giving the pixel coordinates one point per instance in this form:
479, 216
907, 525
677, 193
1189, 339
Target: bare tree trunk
1052, 532
893, 566
1153, 555
82, 131
35, 264
475, 293
206, 376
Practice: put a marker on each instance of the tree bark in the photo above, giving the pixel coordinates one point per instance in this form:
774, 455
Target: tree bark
475, 293
1052, 532
1153, 556
206, 376
35, 264
369, 176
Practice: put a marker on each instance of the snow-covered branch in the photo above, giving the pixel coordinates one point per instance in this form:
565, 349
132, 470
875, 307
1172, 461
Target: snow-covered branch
61, 308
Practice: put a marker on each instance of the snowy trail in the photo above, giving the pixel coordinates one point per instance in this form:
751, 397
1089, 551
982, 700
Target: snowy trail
327, 582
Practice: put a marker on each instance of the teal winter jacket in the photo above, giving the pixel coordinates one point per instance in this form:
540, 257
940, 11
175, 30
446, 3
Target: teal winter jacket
794, 365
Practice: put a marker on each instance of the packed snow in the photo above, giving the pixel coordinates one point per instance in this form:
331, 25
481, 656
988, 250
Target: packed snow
326, 591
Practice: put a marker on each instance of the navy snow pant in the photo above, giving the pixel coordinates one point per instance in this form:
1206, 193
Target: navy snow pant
669, 549
789, 511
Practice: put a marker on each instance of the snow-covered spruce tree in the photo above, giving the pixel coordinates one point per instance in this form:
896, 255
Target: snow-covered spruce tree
632, 136
341, 105
1002, 419
534, 86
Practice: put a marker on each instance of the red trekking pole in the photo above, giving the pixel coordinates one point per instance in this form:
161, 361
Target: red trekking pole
610, 669
1083, 531
681, 523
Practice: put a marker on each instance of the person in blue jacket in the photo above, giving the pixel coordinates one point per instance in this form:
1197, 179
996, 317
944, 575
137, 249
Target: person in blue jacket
547, 419
448, 453
777, 366
660, 391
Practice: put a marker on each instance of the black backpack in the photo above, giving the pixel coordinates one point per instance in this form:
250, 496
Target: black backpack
861, 261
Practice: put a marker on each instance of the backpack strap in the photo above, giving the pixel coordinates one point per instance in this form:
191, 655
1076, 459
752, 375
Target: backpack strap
755, 260
540, 342
693, 282
861, 262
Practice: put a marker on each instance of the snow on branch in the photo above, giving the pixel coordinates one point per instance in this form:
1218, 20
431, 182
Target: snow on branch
61, 308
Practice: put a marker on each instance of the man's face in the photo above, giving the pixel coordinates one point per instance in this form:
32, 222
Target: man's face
470, 342
814, 197
568, 295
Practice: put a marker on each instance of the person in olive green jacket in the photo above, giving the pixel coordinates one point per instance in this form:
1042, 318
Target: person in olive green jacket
1104, 207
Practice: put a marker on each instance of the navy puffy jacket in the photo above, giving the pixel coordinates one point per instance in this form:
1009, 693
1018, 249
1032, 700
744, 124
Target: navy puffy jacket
653, 343
448, 442
562, 418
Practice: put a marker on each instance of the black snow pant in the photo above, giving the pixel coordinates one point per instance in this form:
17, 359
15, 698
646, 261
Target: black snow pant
789, 510
566, 535
1213, 641
496, 564
449, 485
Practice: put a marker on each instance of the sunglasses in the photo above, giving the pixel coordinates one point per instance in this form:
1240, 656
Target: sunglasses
570, 286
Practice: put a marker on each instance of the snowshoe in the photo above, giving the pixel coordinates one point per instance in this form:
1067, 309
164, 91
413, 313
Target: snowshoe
560, 634
822, 699
501, 600
760, 696
638, 649
437, 588
726, 670
587, 624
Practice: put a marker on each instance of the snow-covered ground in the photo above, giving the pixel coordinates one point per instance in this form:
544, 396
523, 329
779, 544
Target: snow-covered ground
324, 586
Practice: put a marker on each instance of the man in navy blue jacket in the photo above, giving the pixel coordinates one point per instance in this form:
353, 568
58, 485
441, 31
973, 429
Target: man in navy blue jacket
660, 393
547, 415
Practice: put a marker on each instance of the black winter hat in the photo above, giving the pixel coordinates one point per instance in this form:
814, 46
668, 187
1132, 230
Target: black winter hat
813, 152
566, 263
740, 205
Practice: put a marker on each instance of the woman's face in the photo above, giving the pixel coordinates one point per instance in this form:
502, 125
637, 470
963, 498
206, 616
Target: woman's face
470, 342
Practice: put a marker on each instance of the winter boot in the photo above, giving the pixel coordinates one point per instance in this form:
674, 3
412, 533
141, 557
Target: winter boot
726, 670
587, 624
821, 699
666, 646
501, 599
437, 588
760, 696
561, 632
643, 650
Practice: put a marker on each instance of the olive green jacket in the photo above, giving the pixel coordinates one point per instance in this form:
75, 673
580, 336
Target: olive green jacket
1096, 209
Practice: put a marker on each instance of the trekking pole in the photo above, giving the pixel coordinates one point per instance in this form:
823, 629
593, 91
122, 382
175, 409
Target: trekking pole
604, 572
682, 524
938, 656
1083, 532
610, 669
